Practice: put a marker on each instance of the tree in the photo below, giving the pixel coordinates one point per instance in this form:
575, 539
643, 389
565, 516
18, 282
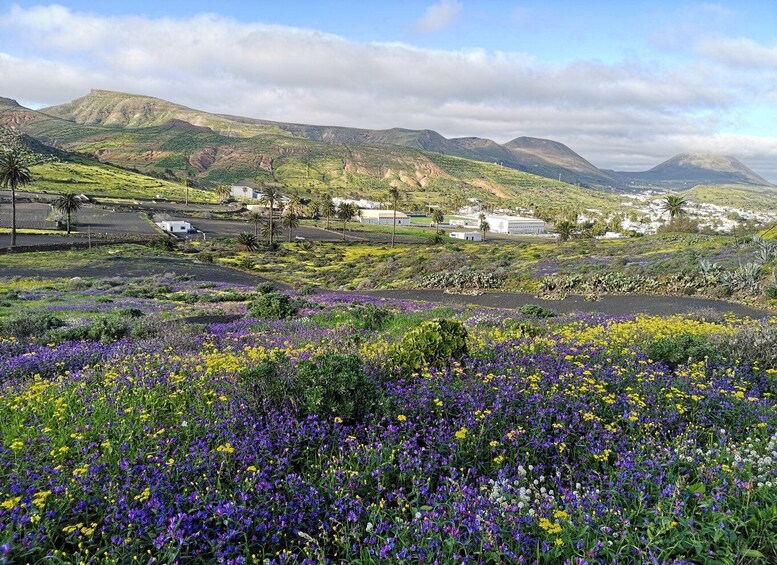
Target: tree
674, 204
68, 204
255, 218
328, 208
564, 229
14, 172
484, 227
223, 192
394, 195
246, 241
290, 218
271, 194
437, 218
345, 212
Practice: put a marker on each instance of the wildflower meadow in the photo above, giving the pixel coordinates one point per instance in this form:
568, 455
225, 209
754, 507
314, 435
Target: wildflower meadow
176, 423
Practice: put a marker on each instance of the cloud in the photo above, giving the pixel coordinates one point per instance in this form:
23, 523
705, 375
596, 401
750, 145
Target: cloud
439, 16
739, 53
616, 115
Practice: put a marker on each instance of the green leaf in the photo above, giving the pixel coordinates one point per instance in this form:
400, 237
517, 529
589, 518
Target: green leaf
697, 488
754, 553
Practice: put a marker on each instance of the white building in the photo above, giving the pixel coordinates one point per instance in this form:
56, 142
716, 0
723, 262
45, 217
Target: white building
515, 225
502, 224
175, 226
467, 235
384, 217
241, 191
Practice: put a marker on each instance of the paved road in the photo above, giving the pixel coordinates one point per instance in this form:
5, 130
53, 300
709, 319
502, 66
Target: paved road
613, 305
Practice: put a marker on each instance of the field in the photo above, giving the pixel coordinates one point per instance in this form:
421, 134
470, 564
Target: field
205, 422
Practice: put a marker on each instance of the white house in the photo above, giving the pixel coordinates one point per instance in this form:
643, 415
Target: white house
175, 226
384, 217
241, 191
467, 235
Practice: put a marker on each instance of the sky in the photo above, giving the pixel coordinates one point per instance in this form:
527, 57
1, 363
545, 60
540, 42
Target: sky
625, 84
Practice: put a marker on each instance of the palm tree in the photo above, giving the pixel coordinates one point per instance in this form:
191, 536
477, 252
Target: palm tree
437, 218
345, 212
271, 194
674, 205
246, 241
564, 229
484, 227
255, 218
68, 204
394, 195
223, 192
14, 172
328, 208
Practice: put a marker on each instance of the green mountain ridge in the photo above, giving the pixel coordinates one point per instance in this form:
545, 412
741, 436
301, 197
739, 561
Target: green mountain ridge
542, 157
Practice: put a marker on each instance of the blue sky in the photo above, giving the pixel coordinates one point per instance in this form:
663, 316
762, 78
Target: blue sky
625, 84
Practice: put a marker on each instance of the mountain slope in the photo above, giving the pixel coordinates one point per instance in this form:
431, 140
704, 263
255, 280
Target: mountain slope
541, 157
178, 149
121, 110
690, 169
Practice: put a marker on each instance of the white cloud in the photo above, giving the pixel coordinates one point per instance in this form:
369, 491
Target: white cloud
439, 16
739, 53
615, 115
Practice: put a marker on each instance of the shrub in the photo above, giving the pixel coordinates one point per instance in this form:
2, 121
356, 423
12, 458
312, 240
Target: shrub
752, 344
273, 305
31, 325
265, 287
370, 317
536, 311
432, 343
336, 385
680, 348
267, 382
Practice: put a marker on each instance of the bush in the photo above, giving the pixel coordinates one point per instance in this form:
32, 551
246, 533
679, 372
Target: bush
30, 325
265, 288
680, 348
335, 385
267, 382
536, 311
273, 305
433, 343
752, 344
370, 317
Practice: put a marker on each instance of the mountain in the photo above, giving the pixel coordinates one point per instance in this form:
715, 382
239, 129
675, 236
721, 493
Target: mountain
542, 157
690, 169
169, 141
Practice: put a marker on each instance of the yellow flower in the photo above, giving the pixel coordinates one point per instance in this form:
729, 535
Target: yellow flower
401, 417
17, 445
559, 542
462, 433
226, 448
338, 420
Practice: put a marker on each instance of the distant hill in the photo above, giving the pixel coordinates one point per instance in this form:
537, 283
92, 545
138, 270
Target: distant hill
690, 169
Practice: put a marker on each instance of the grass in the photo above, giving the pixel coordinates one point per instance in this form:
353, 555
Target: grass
100, 180
758, 198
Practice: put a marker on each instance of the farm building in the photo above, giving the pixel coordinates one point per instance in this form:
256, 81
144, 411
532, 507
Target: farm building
383, 217
467, 235
240, 191
176, 226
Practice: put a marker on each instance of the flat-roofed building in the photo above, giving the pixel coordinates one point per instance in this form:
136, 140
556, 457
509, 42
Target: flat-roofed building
383, 217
